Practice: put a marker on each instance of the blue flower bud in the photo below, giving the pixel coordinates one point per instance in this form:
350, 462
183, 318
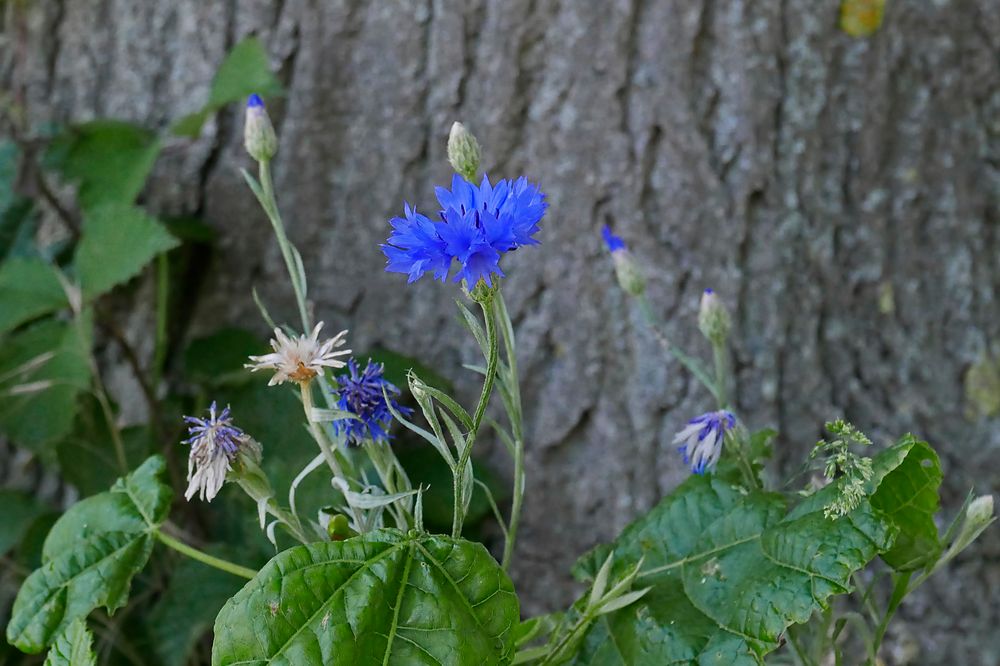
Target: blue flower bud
630, 276
258, 132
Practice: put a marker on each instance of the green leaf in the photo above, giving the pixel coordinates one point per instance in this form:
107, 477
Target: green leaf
109, 158
17, 511
29, 288
908, 495
383, 598
118, 241
246, 70
42, 370
187, 609
74, 647
730, 572
90, 557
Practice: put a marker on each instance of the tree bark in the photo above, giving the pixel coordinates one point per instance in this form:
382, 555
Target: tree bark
840, 194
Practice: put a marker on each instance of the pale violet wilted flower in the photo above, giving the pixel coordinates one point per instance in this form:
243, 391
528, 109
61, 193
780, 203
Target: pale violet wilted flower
300, 358
701, 441
215, 442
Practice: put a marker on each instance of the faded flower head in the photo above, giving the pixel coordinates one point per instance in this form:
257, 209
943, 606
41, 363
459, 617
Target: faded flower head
300, 358
630, 276
259, 138
701, 441
475, 227
360, 393
215, 443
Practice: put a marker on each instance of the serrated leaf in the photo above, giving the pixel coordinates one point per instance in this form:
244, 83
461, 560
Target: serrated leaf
729, 573
29, 288
245, 70
383, 598
110, 160
90, 557
74, 647
908, 495
42, 370
118, 241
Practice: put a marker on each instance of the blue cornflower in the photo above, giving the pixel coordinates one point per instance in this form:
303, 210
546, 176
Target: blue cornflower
360, 393
701, 441
614, 243
214, 441
476, 226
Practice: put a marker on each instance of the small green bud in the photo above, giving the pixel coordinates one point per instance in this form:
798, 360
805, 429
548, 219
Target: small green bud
713, 318
630, 277
980, 512
339, 528
463, 152
258, 132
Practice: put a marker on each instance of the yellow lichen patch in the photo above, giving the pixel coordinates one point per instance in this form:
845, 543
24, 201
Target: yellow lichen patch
860, 18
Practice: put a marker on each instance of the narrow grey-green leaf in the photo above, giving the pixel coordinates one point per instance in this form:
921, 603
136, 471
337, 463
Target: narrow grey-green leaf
118, 241
74, 647
382, 598
90, 557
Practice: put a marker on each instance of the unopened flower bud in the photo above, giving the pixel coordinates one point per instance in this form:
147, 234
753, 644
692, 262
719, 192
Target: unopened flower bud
713, 318
258, 132
630, 276
980, 512
339, 528
463, 152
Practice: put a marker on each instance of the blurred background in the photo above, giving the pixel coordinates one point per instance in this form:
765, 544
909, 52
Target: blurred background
840, 192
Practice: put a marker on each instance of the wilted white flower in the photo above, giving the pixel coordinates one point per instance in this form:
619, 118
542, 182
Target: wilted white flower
215, 443
701, 441
300, 358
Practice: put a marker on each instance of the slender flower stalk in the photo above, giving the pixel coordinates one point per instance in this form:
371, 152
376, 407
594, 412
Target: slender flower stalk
205, 558
458, 509
516, 416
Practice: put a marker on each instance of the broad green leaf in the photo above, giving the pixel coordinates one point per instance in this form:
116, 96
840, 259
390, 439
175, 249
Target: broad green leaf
246, 70
188, 608
42, 370
74, 647
383, 598
29, 288
17, 511
118, 241
110, 160
90, 557
908, 495
729, 571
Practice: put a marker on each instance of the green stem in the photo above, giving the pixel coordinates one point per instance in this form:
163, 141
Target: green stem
721, 357
162, 301
517, 430
689, 362
458, 514
800, 653
270, 205
899, 591
205, 558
